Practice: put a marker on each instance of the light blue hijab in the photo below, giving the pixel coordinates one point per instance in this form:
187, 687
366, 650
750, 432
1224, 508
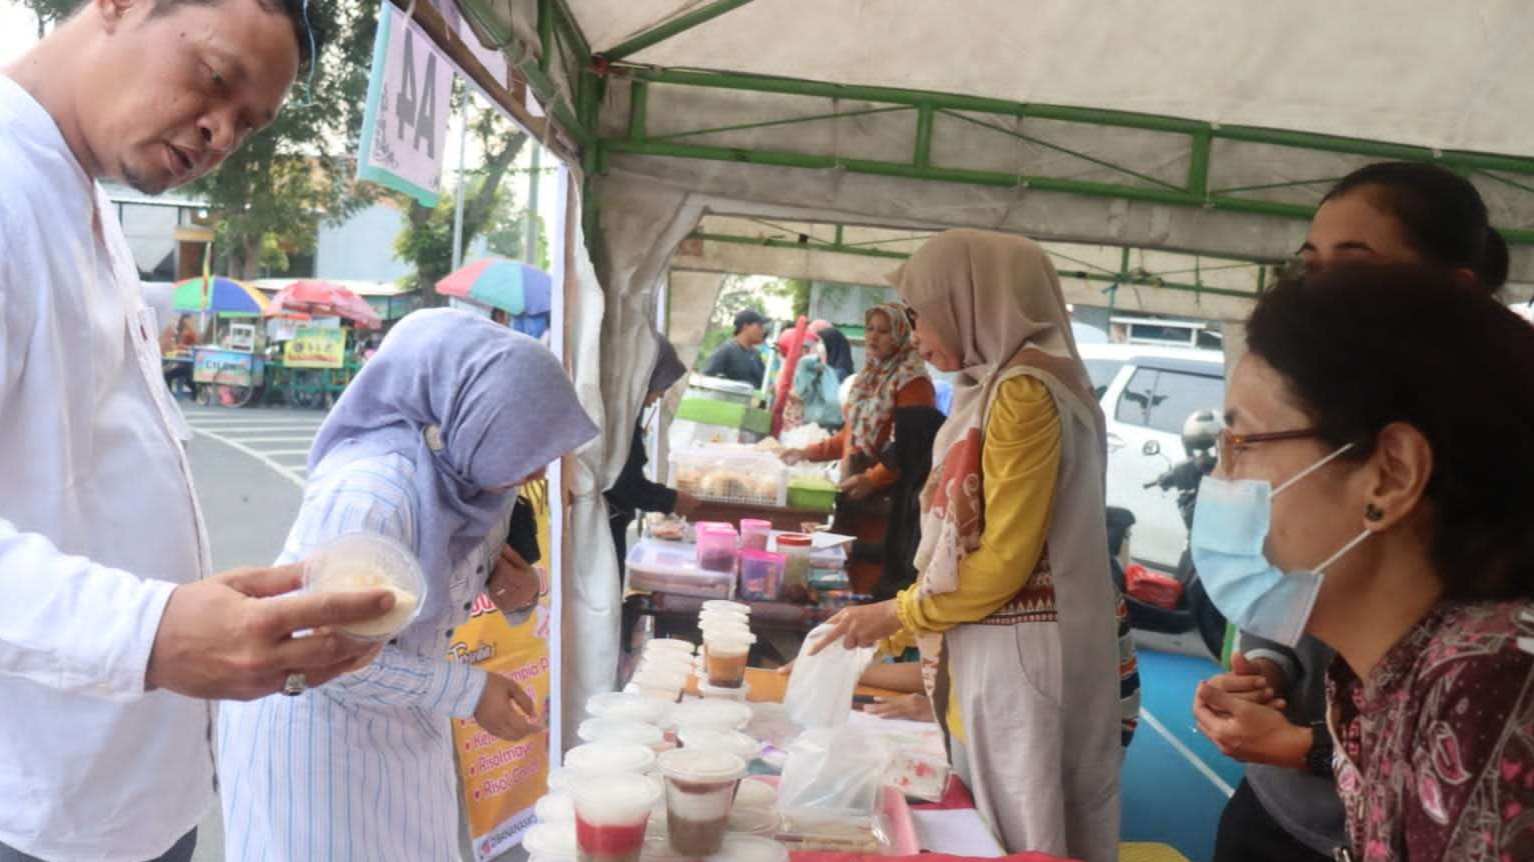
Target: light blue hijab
474, 405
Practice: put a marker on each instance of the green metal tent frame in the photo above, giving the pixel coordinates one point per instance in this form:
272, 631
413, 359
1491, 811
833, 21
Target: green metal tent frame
560, 34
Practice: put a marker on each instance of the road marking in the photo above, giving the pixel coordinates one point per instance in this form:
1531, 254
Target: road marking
1187, 753
245, 430
284, 472
281, 453
301, 439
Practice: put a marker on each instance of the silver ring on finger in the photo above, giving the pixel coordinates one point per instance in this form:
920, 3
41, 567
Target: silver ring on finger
295, 684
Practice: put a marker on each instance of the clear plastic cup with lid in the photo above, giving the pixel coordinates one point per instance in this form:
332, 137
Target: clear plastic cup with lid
750, 848
556, 808
714, 737
594, 730
611, 814
726, 605
625, 706
796, 549
677, 644
727, 653
754, 533
700, 789
358, 561
610, 757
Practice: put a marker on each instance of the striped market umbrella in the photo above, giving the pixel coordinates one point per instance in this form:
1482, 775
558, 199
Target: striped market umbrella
510, 285
221, 296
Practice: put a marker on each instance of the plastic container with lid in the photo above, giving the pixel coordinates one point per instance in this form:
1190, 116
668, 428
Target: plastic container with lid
715, 713
761, 575
700, 789
796, 549
753, 820
609, 757
727, 653
756, 794
367, 561
560, 807
724, 605
754, 533
672, 567
717, 549
594, 730
551, 840
731, 474
750, 848
611, 816
739, 695
672, 644
710, 737
625, 706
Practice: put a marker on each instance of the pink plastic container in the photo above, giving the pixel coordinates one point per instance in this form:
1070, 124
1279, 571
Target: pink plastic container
716, 548
754, 533
761, 575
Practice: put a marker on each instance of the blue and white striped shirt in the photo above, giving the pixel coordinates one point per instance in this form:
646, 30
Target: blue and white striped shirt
362, 768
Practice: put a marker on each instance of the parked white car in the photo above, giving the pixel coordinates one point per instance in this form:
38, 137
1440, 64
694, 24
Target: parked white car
1147, 393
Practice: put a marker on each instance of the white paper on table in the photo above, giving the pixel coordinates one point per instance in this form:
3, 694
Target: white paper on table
958, 832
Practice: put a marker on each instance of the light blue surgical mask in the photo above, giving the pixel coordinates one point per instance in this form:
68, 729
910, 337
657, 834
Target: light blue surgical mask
1230, 525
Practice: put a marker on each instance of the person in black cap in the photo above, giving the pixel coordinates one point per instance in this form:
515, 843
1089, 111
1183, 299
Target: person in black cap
738, 358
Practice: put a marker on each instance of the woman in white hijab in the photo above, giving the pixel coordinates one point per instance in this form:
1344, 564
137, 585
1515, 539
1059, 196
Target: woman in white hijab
1013, 608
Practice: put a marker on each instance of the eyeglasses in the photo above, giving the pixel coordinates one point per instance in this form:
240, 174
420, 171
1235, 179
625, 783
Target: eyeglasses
1232, 444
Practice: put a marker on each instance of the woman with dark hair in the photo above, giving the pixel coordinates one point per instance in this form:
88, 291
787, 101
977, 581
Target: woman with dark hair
1369, 493
1408, 212
836, 352
1286, 807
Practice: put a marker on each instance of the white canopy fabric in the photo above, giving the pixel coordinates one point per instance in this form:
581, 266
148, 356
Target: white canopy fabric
1451, 74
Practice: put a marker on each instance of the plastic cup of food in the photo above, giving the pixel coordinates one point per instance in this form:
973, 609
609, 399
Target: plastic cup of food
560, 807
663, 686
700, 789
756, 794
551, 840
736, 694
669, 661
724, 714
726, 605
750, 848
625, 706
753, 820
594, 730
367, 561
596, 758
611, 813
712, 737
727, 656
754, 533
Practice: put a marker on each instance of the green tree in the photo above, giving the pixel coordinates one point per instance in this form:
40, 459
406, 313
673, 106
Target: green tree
427, 240
272, 193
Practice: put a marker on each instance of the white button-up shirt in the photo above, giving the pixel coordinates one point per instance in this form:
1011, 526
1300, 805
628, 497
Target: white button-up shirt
98, 523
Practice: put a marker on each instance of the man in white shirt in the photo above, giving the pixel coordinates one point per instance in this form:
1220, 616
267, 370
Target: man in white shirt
111, 627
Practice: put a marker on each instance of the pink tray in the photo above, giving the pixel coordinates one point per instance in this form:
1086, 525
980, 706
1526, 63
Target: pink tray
895, 810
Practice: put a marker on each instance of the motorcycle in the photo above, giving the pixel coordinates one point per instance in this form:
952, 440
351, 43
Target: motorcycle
1194, 612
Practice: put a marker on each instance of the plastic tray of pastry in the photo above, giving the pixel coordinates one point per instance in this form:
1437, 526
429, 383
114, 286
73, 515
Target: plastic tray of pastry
731, 474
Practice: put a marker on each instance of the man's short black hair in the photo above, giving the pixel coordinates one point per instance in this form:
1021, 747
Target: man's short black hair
748, 317
309, 33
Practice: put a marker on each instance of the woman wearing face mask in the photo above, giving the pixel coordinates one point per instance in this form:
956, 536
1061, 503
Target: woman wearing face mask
1368, 494
633, 492
1286, 807
1013, 609
894, 376
425, 447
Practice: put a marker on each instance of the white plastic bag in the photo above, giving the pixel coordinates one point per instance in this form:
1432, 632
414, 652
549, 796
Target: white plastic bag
832, 773
820, 690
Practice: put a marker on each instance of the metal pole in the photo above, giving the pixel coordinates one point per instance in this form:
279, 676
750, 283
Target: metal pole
462, 192
535, 174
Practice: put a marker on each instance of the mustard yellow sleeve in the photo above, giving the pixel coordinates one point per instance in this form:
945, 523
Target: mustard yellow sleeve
1020, 466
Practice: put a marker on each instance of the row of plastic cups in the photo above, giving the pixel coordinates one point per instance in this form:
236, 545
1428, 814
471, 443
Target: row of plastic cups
726, 651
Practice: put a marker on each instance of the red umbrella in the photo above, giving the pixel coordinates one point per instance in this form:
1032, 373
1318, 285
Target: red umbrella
324, 299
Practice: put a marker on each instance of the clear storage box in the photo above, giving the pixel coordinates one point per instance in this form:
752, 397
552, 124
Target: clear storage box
672, 567
731, 474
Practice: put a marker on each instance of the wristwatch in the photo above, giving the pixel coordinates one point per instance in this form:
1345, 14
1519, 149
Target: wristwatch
1318, 760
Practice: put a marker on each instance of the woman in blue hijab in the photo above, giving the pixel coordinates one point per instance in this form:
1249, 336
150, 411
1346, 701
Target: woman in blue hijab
427, 447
